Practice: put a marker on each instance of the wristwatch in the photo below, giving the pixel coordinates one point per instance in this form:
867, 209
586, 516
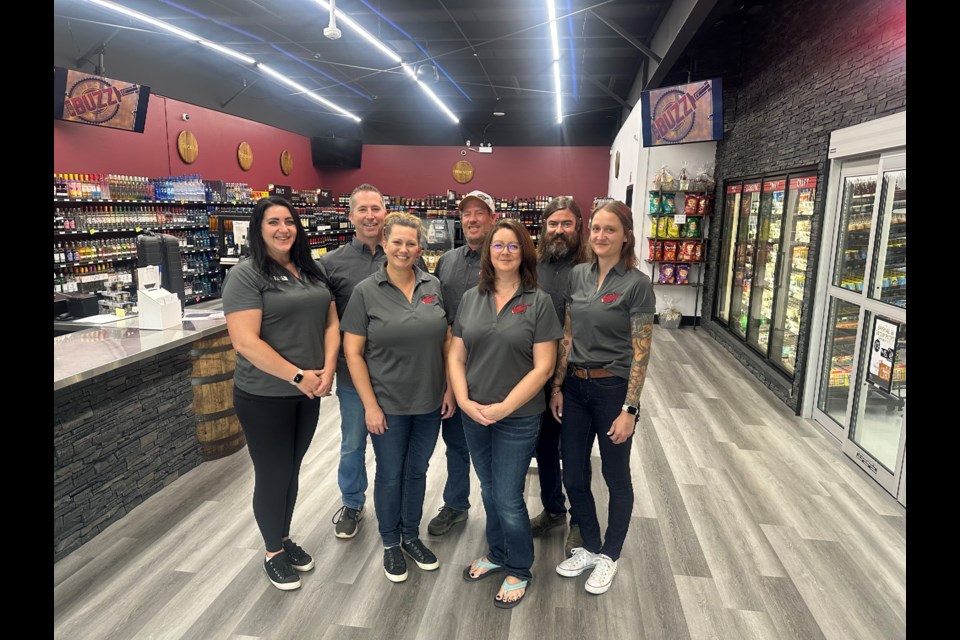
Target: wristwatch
634, 411
297, 378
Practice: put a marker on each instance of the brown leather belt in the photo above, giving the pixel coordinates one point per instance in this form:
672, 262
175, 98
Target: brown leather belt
587, 374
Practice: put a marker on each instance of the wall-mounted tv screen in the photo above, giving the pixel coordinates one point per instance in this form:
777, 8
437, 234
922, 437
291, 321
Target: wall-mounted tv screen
683, 113
102, 102
336, 152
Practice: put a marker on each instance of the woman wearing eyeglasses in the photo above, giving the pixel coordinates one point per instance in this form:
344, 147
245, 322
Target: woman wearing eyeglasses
502, 353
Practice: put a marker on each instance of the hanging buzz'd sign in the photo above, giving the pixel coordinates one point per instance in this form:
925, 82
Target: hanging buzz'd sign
682, 113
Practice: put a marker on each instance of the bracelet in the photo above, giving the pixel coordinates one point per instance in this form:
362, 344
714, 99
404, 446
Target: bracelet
556, 390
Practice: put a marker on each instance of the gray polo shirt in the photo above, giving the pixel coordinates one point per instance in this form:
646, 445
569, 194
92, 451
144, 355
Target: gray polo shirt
457, 270
601, 319
500, 346
293, 323
553, 276
404, 348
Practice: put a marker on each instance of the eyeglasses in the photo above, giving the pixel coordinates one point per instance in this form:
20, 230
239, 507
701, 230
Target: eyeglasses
512, 247
566, 224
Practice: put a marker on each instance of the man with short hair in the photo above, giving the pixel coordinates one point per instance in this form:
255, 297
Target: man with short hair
344, 268
561, 247
458, 270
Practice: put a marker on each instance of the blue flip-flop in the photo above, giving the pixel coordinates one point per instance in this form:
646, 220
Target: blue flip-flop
507, 588
481, 563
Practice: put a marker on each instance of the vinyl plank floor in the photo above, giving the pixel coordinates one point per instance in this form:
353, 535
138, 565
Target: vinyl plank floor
749, 523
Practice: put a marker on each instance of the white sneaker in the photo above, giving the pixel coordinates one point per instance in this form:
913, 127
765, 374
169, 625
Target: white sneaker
580, 561
602, 576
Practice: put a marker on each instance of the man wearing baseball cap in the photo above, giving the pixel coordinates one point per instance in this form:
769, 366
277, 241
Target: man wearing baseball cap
458, 270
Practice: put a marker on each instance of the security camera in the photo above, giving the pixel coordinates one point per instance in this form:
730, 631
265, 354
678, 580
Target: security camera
332, 32
463, 152
185, 117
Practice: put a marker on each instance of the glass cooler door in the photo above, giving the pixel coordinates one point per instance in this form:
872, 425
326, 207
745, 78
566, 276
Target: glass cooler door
731, 208
768, 253
889, 281
792, 279
744, 261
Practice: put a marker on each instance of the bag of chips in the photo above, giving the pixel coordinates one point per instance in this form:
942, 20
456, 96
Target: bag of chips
683, 273
661, 227
690, 204
669, 250
673, 229
697, 252
669, 203
667, 273
692, 228
654, 203
705, 205
687, 249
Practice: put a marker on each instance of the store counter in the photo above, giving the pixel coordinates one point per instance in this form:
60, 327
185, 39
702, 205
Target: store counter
133, 410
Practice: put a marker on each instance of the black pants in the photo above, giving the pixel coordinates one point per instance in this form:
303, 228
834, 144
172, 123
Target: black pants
278, 431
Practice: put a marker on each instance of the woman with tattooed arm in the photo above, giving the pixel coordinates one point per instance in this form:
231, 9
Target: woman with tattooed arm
601, 366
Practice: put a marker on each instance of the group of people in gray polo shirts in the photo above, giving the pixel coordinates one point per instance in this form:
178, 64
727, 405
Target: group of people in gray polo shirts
482, 355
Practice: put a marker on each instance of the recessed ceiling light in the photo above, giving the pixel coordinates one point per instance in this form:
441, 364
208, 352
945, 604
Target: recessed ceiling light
499, 113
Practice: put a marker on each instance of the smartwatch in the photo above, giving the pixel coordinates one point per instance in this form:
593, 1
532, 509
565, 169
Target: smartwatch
297, 378
634, 411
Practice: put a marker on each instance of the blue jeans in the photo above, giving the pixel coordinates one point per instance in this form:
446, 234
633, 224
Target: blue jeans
403, 454
456, 491
352, 473
501, 455
589, 409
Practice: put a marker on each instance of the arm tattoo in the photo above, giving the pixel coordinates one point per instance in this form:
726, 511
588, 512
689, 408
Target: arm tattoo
641, 332
563, 350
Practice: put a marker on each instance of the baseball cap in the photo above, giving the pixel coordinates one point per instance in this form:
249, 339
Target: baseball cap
481, 197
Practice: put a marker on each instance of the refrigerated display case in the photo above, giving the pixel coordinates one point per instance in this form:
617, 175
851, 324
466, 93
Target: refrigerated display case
764, 263
749, 212
842, 326
768, 252
889, 282
792, 280
728, 250
856, 213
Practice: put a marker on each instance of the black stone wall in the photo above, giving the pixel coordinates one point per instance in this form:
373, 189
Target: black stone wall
808, 69
118, 439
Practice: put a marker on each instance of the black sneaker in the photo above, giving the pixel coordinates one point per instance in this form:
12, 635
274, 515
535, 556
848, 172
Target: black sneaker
546, 521
421, 555
574, 540
280, 572
347, 521
298, 558
445, 520
394, 566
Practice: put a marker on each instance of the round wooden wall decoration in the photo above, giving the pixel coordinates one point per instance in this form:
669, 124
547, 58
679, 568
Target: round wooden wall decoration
187, 146
286, 163
463, 172
245, 156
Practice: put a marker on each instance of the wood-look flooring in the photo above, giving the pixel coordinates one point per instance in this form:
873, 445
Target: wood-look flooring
749, 523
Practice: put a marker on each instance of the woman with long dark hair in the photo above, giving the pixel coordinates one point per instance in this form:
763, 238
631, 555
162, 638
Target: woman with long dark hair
283, 323
608, 326
502, 353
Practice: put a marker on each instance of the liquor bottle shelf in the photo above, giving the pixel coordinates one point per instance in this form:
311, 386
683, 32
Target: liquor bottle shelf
90, 232
82, 263
125, 201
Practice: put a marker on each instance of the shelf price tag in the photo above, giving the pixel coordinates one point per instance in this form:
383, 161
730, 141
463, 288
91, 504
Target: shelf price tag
680, 218
92, 231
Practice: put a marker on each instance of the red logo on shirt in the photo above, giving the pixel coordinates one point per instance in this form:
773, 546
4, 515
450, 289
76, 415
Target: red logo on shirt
520, 308
610, 298
429, 298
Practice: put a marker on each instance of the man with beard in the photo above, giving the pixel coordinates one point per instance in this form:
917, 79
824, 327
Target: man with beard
560, 248
459, 270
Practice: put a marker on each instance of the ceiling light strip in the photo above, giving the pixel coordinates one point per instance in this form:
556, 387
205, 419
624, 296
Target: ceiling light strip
186, 35
573, 57
393, 56
417, 44
555, 48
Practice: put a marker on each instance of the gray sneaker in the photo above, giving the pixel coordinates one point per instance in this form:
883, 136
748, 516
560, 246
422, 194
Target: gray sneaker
445, 520
542, 523
574, 540
347, 521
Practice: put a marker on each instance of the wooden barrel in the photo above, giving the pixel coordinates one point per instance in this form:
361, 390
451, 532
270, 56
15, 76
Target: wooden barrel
218, 429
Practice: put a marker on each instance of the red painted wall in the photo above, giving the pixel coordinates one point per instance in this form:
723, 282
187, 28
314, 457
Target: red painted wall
508, 172
80, 148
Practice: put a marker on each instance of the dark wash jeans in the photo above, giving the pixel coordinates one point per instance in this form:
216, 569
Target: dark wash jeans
589, 408
456, 490
403, 454
501, 456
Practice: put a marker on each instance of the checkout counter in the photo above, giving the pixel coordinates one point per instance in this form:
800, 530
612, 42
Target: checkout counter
134, 409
